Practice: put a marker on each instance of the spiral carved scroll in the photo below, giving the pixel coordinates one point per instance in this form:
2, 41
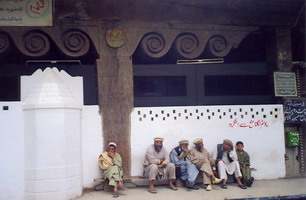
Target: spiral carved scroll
187, 45
153, 45
219, 46
4, 43
76, 43
36, 44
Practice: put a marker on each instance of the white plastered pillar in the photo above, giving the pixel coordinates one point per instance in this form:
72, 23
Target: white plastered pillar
52, 118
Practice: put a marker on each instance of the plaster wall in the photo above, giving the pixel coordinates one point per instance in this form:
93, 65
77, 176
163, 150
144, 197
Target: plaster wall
12, 148
264, 140
11, 151
260, 127
92, 144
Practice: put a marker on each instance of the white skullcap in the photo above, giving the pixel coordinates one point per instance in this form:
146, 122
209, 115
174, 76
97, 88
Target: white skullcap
112, 144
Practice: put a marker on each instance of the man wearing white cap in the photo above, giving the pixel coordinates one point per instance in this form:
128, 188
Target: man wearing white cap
157, 165
184, 167
202, 160
110, 163
227, 163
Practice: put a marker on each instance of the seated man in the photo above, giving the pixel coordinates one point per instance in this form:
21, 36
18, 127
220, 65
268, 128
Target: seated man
184, 167
110, 163
157, 165
244, 162
202, 160
227, 163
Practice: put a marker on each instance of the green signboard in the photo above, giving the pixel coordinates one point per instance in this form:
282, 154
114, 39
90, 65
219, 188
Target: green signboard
293, 138
285, 84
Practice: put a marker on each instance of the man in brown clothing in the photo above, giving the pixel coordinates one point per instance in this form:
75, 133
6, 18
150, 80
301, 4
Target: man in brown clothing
202, 160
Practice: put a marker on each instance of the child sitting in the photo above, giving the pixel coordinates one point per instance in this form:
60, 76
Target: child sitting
244, 161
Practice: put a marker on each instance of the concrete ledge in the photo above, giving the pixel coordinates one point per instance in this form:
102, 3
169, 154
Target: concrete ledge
291, 197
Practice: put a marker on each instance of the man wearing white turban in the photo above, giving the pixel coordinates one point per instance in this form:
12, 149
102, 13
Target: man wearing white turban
157, 165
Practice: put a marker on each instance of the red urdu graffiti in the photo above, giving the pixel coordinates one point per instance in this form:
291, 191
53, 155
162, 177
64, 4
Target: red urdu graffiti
250, 124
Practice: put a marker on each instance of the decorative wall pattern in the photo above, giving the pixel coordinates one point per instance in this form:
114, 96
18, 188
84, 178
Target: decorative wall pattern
209, 113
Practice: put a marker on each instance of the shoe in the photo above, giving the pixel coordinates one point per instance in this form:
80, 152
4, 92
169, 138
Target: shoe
208, 188
224, 186
242, 186
243, 181
152, 190
194, 187
115, 194
216, 181
172, 187
250, 182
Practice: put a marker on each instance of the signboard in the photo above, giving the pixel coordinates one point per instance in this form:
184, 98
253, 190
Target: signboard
285, 84
293, 139
295, 111
25, 12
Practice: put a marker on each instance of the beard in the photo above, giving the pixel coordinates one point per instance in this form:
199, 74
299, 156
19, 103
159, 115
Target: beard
158, 148
184, 149
199, 148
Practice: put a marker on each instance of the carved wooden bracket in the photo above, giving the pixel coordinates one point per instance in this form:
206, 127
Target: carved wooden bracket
76, 43
36, 42
188, 45
153, 44
154, 41
4, 43
191, 45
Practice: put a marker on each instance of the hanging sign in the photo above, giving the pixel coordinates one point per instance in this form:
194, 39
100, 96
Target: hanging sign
25, 12
295, 111
285, 84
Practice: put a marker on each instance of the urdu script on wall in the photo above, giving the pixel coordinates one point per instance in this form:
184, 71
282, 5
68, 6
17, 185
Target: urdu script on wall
295, 111
26, 13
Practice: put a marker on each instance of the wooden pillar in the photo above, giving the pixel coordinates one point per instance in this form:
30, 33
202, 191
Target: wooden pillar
279, 49
115, 83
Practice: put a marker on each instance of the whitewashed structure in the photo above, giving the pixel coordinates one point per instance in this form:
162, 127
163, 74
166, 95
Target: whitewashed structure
50, 142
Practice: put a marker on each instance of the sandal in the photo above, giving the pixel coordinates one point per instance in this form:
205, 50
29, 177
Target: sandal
224, 186
172, 187
152, 190
242, 186
116, 194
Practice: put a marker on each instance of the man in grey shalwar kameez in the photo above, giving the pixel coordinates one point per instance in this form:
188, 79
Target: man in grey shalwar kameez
157, 165
184, 167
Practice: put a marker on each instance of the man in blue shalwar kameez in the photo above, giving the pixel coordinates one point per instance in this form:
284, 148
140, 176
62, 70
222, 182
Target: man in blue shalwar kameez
184, 167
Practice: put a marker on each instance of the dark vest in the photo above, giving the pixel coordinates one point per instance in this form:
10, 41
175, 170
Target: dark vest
220, 152
178, 172
178, 151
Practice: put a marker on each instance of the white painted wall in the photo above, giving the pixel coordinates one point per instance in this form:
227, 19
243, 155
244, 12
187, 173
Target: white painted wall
265, 144
11, 151
92, 144
43, 118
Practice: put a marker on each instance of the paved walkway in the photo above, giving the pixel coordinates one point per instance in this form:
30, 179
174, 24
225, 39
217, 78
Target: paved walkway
288, 188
